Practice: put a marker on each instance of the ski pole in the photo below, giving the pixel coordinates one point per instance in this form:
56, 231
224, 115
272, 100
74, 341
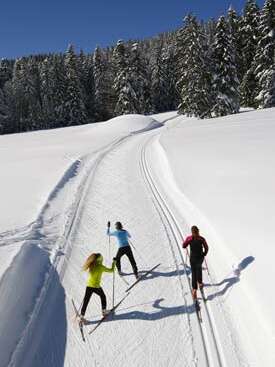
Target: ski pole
207, 269
113, 296
139, 254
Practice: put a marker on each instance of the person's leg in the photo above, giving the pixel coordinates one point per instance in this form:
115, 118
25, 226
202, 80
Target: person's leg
88, 294
119, 254
199, 273
194, 279
101, 294
194, 274
129, 254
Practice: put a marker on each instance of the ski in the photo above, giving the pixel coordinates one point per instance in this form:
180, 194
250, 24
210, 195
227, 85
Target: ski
80, 323
124, 280
204, 298
142, 277
198, 309
104, 318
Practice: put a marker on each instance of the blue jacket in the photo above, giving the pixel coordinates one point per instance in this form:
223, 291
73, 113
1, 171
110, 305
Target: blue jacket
122, 237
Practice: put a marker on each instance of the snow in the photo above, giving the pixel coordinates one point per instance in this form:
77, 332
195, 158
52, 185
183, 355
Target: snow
224, 182
60, 187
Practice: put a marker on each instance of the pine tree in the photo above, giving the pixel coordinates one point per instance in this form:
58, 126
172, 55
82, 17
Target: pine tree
164, 95
268, 87
235, 23
225, 80
21, 104
86, 77
74, 107
264, 58
139, 80
196, 77
126, 98
249, 40
102, 86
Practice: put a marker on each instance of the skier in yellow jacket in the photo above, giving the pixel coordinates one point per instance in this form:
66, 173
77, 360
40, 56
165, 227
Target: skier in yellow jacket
94, 266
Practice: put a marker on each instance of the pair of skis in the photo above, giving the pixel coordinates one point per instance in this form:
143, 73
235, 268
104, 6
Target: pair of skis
198, 306
80, 323
105, 317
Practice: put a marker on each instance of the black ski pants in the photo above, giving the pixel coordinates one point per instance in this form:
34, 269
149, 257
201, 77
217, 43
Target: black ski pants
88, 295
126, 250
196, 268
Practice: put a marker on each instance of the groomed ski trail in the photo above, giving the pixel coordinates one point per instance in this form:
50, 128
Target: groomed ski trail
153, 325
157, 325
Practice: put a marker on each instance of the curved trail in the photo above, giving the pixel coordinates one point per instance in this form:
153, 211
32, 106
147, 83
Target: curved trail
157, 324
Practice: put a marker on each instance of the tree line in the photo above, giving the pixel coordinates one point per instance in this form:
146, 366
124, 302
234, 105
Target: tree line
203, 69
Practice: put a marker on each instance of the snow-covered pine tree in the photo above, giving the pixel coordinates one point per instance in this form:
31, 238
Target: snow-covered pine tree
225, 78
268, 87
139, 76
49, 91
86, 77
265, 52
74, 108
249, 40
235, 22
164, 95
103, 86
20, 109
126, 98
6, 67
33, 93
195, 73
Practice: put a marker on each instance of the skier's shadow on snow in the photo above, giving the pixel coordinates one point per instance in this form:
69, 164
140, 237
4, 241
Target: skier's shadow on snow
155, 274
230, 281
159, 312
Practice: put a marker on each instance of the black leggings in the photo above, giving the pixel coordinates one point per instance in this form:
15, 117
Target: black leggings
126, 250
88, 295
196, 268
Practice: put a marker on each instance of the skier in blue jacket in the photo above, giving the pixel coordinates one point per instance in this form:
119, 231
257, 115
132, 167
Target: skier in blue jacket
124, 248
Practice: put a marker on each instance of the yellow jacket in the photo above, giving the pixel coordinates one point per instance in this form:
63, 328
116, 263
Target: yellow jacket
95, 275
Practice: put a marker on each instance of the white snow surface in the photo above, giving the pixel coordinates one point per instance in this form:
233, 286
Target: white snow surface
60, 187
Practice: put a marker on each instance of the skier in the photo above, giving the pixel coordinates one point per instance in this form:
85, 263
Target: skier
198, 250
94, 266
123, 247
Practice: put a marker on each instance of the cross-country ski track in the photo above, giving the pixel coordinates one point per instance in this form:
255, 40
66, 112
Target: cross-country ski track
157, 324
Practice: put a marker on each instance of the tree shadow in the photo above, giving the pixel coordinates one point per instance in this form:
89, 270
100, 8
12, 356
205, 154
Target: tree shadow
159, 312
230, 281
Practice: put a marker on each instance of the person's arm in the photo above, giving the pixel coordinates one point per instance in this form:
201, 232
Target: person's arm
109, 270
128, 235
110, 233
187, 242
205, 246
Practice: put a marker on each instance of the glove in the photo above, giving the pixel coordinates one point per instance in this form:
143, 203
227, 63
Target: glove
109, 224
114, 259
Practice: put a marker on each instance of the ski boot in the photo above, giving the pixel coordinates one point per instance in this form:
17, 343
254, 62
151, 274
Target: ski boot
105, 312
194, 294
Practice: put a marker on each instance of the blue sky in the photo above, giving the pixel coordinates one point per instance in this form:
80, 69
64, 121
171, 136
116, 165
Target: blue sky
34, 26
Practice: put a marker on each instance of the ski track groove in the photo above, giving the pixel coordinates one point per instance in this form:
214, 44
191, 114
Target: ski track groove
59, 265
173, 223
70, 228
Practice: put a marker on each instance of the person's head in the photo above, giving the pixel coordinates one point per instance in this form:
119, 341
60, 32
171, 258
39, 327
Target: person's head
195, 231
119, 226
91, 261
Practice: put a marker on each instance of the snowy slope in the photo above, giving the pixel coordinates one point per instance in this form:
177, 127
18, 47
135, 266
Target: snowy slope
60, 187
222, 178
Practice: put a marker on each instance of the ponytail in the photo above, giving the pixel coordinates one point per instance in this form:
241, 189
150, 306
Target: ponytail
90, 262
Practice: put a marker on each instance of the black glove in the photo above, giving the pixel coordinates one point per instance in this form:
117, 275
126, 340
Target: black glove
109, 224
114, 259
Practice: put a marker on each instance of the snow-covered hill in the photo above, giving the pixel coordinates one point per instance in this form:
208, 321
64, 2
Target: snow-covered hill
59, 188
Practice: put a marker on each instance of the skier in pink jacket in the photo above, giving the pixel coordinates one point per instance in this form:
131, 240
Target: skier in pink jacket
198, 250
